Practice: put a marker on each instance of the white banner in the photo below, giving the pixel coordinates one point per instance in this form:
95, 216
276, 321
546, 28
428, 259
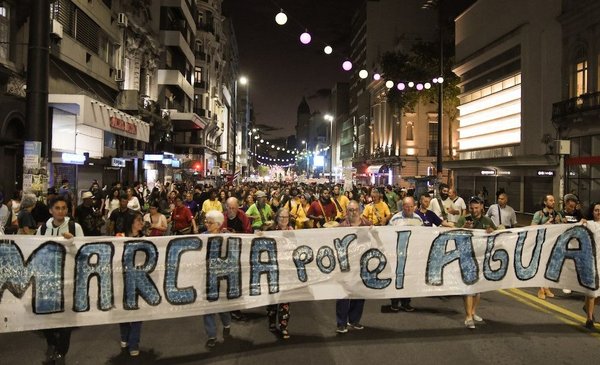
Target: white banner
56, 283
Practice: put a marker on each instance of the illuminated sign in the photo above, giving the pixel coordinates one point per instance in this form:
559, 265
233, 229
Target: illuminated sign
118, 162
545, 173
488, 172
153, 157
125, 126
492, 120
319, 161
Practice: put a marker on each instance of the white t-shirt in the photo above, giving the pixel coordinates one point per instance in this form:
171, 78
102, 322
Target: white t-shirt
400, 220
458, 204
434, 206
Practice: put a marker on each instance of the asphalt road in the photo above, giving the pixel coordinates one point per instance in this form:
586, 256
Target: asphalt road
518, 328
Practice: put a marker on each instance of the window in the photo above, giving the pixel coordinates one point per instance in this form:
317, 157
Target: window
198, 75
410, 126
433, 137
579, 72
4, 31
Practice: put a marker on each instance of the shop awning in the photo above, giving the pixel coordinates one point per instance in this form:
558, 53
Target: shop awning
186, 121
373, 169
94, 113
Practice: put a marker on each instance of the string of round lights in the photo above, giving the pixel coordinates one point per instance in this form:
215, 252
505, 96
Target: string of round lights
281, 18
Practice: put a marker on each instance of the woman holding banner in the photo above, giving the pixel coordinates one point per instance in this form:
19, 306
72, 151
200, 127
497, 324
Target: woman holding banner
214, 221
280, 313
131, 331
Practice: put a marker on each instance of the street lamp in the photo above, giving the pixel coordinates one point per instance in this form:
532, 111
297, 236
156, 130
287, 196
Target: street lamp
242, 80
329, 118
306, 156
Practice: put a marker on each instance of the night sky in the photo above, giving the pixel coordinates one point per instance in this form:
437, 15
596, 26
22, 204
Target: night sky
281, 70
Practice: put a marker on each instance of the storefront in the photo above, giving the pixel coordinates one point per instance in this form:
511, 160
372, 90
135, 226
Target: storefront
94, 141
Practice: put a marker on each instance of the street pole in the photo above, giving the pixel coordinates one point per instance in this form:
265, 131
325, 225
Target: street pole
235, 116
331, 152
440, 152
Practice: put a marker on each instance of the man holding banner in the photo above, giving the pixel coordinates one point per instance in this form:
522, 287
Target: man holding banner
474, 220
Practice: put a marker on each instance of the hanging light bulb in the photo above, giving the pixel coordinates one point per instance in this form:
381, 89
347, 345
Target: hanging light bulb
328, 50
440, 80
281, 18
401, 86
389, 84
435, 80
411, 84
376, 77
347, 65
419, 86
305, 37
363, 74
427, 86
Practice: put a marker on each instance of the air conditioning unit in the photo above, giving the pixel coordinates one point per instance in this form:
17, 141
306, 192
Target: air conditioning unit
57, 29
119, 75
122, 20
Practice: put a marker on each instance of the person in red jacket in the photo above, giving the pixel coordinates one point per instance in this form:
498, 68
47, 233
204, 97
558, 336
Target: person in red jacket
236, 221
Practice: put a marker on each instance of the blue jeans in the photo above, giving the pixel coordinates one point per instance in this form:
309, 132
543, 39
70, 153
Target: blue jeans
348, 311
210, 323
130, 333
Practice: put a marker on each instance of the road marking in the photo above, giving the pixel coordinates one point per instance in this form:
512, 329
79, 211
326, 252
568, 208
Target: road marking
533, 301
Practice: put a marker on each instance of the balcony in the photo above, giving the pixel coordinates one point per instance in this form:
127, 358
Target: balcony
174, 38
204, 113
200, 85
578, 109
174, 77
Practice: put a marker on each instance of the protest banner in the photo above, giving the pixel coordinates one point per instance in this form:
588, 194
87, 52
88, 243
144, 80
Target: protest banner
46, 282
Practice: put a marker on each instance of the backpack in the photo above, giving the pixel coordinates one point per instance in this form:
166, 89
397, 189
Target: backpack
71, 225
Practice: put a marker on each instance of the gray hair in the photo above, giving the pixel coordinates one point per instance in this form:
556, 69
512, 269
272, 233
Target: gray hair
28, 201
216, 216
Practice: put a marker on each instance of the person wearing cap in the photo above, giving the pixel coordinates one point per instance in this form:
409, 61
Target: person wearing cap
88, 217
474, 220
261, 212
27, 224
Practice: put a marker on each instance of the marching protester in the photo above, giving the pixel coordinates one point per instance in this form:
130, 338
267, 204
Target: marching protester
60, 225
405, 217
235, 220
348, 312
279, 314
323, 210
428, 217
590, 301
88, 217
155, 221
112, 202
571, 215
458, 207
442, 205
26, 222
133, 202
474, 220
4, 213
298, 213
261, 213
214, 222
341, 203
548, 215
121, 218
182, 219
131, 331
377, 211
502, 214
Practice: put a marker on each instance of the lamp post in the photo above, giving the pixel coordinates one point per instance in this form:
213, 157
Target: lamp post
329, 118
306, 156
242, 81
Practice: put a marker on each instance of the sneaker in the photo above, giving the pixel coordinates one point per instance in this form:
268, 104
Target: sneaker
285, 334
123, 344
394, 308
407, 308
212, 342
341, 329
356, 326
585, 311
476, 318
134, 353
227, 331
470, 324
567, 291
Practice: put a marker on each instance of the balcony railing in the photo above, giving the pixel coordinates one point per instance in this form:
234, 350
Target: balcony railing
203, 112
568, 110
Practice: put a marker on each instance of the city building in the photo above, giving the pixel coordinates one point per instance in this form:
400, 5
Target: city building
577, 112
389, 145
508, 56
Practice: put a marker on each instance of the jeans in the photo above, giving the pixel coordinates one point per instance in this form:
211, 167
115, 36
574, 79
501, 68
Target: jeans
210, 323
130, 333
348, 311
58, 339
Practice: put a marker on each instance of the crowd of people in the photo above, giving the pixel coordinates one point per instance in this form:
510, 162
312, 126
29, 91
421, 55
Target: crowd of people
183, 208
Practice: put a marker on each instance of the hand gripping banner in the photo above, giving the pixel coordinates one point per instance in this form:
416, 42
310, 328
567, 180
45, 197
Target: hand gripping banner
47, 283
